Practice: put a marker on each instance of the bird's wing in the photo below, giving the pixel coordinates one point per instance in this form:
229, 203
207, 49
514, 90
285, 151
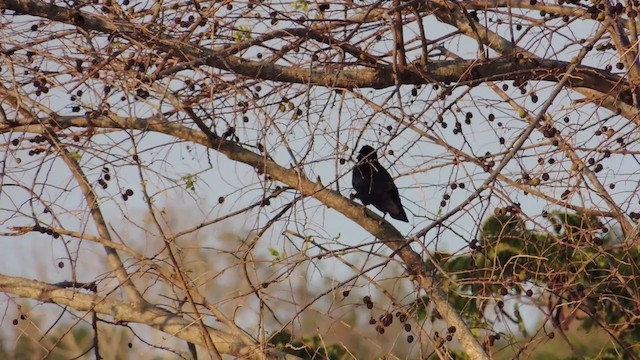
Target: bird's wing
387, 197
383, 180
362, 181
374, 185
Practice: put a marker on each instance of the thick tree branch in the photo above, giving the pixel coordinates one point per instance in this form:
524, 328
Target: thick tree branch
382, 76
500, 44
125, 312
372, 223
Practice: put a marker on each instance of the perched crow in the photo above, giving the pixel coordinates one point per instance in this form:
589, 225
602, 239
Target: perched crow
374, 185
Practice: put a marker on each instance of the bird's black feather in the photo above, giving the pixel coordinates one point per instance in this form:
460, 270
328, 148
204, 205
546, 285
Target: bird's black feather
374, 185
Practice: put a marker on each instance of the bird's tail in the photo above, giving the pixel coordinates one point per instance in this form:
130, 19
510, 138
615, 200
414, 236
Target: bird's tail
398, 214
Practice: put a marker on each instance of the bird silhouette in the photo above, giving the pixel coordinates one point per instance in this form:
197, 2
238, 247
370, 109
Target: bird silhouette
374, 185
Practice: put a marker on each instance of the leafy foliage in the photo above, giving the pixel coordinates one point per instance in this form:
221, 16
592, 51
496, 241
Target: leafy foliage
582, 273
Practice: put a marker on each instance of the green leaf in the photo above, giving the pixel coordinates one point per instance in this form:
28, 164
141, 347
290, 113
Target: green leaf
242, 34
302, 5
75, 156
190, 182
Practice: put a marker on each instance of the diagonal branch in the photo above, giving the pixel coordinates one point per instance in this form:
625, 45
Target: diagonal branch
92, 202
372, 223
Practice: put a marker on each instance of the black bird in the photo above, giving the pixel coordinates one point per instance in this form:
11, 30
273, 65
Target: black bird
374, 185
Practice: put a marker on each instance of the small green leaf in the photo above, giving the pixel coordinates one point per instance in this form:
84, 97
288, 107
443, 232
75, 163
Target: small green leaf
189, 182
301, 5
242, 34
75, 156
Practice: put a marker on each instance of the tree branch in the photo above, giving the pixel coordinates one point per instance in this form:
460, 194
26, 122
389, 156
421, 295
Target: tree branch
124, 312
506, 68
